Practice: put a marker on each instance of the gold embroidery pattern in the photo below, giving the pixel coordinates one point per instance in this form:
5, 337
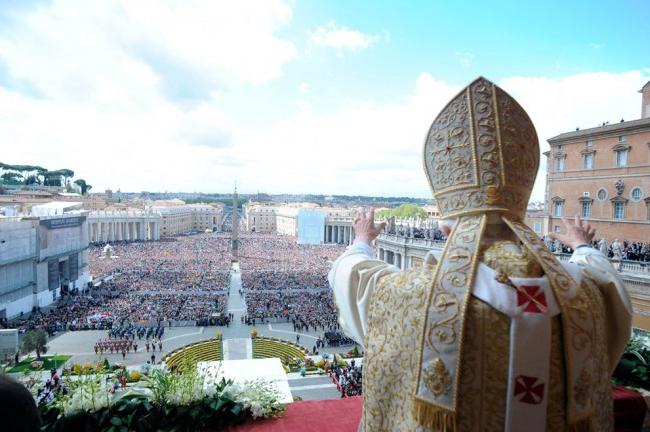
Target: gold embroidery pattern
443, 316
515, 140
392, 358
453, 279
437, 378
582, 386
484, 124
600, 369
391, 361
450, 153
480, 132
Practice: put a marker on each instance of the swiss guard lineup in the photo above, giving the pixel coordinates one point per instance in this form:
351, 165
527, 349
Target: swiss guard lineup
493, 333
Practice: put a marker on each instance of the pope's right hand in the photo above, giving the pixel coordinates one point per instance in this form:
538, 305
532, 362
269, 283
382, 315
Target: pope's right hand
365, 229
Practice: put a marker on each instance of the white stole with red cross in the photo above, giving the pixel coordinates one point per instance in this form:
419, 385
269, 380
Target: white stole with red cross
531, 305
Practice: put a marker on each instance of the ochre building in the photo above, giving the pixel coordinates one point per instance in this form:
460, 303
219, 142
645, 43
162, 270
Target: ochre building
603, 175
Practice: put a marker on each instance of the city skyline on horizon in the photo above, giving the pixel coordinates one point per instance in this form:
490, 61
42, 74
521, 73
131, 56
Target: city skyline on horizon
291, 97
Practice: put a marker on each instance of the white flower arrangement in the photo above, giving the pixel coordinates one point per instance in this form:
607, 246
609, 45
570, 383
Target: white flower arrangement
260, 396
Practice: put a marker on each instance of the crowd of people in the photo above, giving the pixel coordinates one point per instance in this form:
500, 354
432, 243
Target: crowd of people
283, 279
633, 251
349, 379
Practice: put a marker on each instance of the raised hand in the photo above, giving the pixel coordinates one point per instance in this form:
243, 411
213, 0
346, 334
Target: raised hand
365, 229
577, 233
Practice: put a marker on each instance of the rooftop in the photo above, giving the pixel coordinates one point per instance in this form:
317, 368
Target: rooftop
616, 127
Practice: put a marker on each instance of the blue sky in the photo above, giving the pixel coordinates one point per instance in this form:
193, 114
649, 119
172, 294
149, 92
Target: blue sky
322, 97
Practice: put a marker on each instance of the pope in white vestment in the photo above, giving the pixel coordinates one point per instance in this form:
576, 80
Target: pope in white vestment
492, 333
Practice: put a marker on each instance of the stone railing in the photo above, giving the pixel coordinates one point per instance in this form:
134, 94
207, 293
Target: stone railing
402, 241
623, 266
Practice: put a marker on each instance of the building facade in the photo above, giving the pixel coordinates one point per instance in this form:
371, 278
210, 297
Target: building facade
39, 258
260, 217
184, 218
603, 175
126, 225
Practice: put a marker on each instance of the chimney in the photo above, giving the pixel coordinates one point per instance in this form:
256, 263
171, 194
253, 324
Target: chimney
645, 100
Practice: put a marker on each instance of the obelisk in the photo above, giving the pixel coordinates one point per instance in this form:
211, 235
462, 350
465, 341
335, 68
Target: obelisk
234, 241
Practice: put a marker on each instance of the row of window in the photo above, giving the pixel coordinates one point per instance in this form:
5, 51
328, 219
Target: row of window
618, 209
588, 160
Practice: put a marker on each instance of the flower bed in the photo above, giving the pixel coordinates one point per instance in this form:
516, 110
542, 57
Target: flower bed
210, 350
272, 348
166, 400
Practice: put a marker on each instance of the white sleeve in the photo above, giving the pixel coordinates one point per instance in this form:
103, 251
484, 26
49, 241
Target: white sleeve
353, 278
617, 301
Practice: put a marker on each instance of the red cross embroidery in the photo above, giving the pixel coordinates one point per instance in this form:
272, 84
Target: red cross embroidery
531, 388
533, 299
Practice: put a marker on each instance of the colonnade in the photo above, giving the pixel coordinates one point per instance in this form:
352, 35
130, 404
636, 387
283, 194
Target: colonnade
109, 229
391, 257
341, 234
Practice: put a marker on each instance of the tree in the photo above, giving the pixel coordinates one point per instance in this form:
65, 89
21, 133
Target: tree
32, 179
12, 177
85, 187
35, 340
52, 178
405, 211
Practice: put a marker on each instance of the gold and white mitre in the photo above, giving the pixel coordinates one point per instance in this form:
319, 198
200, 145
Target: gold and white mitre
481, 156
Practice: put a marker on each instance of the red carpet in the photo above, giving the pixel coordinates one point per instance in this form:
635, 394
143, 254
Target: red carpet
343, 415
629, 409
340, 415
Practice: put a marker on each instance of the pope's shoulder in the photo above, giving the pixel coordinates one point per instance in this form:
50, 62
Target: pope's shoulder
414, 279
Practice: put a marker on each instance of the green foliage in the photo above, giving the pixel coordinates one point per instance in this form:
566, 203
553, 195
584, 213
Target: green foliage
633, 370
404, 211
85, 187
35, 340
139, 412
34, 174
48, 363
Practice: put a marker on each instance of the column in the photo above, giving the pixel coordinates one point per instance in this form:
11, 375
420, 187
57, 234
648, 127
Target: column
143, 234
381, 254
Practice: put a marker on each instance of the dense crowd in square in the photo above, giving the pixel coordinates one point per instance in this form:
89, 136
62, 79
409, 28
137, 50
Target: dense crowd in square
185, 279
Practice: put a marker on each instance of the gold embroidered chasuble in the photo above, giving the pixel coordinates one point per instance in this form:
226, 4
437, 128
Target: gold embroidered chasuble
391, 360
440, 358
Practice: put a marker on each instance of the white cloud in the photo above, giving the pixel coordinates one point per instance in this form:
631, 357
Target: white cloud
108, 90
341, 38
